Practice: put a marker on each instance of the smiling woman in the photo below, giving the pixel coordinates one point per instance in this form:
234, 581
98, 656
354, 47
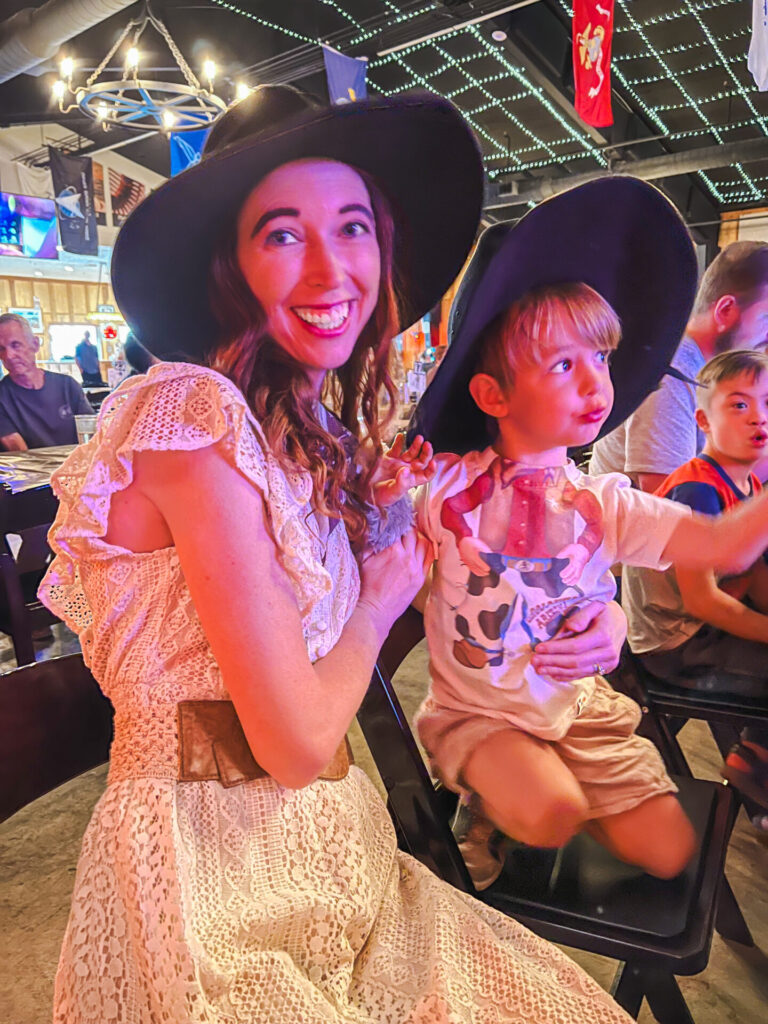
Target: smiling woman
237, 867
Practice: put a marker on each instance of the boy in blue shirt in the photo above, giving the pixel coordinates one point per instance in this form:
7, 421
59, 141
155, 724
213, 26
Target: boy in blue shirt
690, 627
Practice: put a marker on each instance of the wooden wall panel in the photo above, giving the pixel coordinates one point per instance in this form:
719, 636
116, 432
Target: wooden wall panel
79, 300
60, 299
22, 293
43, 292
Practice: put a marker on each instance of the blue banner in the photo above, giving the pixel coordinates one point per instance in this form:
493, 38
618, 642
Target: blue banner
186, 149
346, 76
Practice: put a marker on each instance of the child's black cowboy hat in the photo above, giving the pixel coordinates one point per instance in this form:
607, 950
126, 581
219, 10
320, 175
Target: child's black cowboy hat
419, 149
619, 235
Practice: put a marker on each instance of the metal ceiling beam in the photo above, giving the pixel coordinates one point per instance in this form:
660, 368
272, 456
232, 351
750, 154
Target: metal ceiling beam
687, 162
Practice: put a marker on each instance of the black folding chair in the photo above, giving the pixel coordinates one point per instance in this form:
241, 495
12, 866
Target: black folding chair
583, 898
55, 723
27, 515
725, 714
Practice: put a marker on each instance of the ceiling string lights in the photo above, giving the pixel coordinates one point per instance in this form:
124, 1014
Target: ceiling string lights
132, 101
570, 142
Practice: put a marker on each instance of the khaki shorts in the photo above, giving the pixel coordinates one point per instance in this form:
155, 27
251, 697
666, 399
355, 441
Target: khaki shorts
616, 769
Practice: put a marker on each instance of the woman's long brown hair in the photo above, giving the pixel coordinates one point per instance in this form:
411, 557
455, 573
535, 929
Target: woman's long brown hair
279, 393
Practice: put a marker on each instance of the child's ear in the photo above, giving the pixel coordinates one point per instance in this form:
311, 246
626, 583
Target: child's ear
702, 421
488, 395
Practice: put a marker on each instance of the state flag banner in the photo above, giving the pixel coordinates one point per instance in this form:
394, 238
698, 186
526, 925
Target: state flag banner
73, 194
592, 39
186, 149
346, 76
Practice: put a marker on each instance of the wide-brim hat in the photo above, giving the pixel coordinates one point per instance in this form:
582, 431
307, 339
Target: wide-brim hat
418, 149
619, 235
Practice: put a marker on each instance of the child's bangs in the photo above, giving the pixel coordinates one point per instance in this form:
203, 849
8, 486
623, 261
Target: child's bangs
537, 322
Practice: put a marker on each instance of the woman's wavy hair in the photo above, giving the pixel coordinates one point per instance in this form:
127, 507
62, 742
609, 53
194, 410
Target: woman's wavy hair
279, 392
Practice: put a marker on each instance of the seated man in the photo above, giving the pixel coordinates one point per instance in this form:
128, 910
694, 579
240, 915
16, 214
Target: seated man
690, 628
729, 313
37, 407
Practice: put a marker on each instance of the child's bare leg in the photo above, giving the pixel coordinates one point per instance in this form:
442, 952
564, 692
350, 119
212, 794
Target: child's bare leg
525, 789
656, 835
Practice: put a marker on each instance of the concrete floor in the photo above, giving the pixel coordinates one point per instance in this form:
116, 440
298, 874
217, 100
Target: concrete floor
39, 847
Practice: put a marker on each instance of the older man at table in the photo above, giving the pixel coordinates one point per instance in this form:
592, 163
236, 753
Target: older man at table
37, 407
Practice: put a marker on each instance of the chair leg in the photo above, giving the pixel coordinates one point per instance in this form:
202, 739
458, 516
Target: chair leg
729, 922
724, 735
666, 1000
658, 728
628, 989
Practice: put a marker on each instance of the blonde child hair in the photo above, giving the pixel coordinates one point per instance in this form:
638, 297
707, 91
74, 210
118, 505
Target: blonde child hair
525, 329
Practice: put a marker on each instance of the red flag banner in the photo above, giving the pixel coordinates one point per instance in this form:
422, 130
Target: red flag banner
592, 38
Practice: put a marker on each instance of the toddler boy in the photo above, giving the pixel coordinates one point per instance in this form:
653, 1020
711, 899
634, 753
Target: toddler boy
522, 538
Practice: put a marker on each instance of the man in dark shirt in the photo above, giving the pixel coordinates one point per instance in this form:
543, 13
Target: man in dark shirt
87, 359
37, 408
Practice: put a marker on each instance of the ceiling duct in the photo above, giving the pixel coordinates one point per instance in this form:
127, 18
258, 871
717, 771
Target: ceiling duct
686, 162
34, 35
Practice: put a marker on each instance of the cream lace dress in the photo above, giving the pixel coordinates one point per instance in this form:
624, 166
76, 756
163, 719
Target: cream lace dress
196, 904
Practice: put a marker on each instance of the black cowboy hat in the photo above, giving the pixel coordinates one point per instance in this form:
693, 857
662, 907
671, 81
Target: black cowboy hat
418, 148
619, 235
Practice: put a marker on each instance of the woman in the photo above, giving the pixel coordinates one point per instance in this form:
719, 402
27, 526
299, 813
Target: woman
203, 555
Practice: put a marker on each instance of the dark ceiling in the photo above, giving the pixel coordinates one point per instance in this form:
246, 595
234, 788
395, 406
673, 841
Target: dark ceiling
680, 80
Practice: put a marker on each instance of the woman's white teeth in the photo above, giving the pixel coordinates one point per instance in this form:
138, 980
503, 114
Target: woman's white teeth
333, 316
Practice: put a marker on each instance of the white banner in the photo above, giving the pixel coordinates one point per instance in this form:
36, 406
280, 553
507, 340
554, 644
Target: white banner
757, 62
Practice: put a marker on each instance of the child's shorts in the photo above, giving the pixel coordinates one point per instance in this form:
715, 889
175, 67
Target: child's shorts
616, 768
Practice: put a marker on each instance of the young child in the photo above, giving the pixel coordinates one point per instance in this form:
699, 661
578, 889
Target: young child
689, 626
522, 537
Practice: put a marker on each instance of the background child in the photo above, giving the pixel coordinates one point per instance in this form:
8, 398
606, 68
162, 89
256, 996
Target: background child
689, 626
522, 537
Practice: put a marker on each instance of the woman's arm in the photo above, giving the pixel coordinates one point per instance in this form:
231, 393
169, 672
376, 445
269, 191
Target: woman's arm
294, 713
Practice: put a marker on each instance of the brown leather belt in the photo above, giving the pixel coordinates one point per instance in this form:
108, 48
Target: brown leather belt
213, 747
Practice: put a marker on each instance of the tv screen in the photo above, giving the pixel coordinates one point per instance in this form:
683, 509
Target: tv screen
28, 226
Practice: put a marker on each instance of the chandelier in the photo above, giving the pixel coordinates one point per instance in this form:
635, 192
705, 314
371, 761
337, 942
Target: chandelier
131, 101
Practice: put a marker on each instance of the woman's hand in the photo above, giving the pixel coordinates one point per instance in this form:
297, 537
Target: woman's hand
590, 639
390, 580
400, 469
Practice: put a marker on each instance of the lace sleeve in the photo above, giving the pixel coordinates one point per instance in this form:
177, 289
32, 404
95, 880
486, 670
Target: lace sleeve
174, 407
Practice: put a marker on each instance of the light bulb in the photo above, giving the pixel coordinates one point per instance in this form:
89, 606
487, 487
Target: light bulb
101, 111
242, 90
66, 67
58, 89
132, 57
169, 119
209, 70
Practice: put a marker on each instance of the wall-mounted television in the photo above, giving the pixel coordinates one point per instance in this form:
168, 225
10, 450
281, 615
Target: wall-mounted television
28, 226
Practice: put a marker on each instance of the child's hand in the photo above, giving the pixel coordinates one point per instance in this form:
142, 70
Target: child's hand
400, 469
577, 556
471, 551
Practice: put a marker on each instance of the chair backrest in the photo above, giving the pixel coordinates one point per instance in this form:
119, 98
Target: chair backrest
419, 810
55, 723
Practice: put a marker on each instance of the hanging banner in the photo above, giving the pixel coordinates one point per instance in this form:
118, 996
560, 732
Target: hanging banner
186, 149
592, 38
73, 193
757, 62
346, 76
